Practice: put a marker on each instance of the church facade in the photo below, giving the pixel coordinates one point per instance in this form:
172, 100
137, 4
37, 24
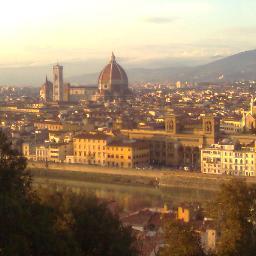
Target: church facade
180, 143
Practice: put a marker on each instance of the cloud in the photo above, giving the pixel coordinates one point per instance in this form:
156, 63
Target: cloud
244, 30
160, 20
218, 56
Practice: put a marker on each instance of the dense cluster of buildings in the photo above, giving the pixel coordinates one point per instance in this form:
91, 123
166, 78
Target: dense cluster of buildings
148, 225
229, 158
208, 127
93, 149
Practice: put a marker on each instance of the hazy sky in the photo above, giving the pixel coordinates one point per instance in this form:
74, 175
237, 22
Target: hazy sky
37, 32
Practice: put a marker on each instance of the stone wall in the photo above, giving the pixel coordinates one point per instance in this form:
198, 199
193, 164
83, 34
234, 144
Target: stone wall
163, 177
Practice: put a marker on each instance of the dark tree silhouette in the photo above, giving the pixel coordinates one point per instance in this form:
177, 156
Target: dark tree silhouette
57, 226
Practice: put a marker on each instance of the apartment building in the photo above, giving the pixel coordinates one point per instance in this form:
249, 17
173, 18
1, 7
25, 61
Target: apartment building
51, 152
56, 126
105, 150
127, 154
90, 149
228, 159
231, 126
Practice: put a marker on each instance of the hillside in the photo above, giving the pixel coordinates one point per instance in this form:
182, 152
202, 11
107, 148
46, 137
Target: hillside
241, 66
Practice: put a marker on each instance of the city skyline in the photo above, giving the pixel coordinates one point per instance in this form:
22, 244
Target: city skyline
128, 127
140, 32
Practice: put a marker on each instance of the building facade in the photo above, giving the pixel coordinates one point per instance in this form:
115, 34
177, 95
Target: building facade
56, 126
127, 154
29, 151
228, 159
90, 149
104, 150
46, 91
231, 126
79, 93
47, 152
180, 143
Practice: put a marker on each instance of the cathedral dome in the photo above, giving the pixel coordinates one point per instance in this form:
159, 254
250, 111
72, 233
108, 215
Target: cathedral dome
113, 79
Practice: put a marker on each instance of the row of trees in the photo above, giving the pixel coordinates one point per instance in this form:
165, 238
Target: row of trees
57, 224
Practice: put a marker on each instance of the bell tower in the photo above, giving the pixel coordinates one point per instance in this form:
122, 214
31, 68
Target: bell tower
172, 123
210, 128
58, 85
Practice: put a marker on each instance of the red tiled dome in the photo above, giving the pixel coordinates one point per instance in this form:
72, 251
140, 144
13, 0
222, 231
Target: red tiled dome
113, 78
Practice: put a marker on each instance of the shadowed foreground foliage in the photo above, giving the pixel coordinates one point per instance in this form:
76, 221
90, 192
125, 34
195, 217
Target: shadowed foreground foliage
181, 240
56, 225
234, 214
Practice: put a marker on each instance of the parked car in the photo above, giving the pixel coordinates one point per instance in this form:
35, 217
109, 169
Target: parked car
186, 168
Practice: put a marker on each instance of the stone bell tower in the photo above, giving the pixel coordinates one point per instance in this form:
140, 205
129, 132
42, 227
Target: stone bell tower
210, 129
58, 85
172, 124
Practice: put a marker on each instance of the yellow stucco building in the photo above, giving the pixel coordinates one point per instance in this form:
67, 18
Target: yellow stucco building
105, 150
127, 154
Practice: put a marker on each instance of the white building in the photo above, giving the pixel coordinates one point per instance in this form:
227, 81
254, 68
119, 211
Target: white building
228, 159
51, 152
29, 151
231, 126
208, 240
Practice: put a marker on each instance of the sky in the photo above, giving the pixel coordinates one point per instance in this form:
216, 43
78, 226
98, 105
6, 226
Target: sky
138, 31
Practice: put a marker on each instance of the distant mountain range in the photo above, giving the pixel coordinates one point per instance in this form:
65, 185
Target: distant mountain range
241, 66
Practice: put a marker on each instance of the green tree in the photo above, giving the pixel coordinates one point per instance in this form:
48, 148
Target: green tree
57, 225
181, 240
235, 214
27, 226
95, 228
13, 177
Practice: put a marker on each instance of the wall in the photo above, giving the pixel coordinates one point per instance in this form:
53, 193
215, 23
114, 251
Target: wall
164, 178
